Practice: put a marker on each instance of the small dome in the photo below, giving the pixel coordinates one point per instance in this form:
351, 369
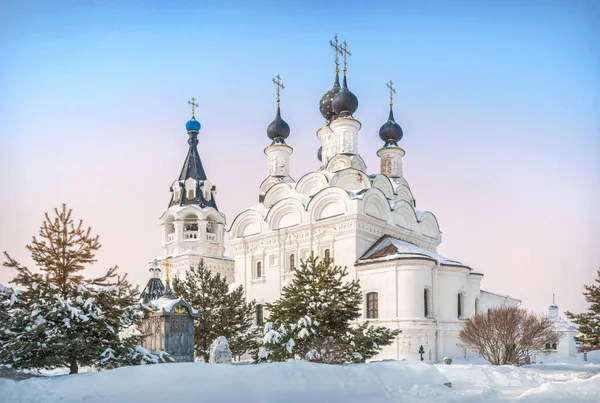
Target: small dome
278, 129
390, 132
192, 125
320, 154
345, 102
325, 104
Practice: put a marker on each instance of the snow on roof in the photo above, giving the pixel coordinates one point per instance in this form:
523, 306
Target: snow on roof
389, 248
190, 253
166, 303
359, 194
498, 295
260, 208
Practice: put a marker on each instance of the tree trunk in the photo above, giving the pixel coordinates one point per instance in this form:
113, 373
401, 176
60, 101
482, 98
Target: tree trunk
73, 366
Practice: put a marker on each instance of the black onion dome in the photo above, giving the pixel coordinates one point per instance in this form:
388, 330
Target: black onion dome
325, 104
278, 129
320, 154
390, 132
345, 102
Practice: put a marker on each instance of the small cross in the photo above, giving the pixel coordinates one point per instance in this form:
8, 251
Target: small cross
346, 52
338, 51
390, 85
194, 105
279, 85
552, 299
421, 352
167, 265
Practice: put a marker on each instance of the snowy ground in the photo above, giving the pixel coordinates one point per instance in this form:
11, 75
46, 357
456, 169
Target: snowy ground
405, 381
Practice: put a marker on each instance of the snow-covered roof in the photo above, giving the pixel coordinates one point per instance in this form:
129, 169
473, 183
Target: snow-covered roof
188, 252
496, 294
390, 248
559, 323
167, 303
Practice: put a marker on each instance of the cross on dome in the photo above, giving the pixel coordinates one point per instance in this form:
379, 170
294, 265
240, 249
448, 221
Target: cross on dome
279, 85
194, 105
167, 265
344, 50
338, 51
390, 85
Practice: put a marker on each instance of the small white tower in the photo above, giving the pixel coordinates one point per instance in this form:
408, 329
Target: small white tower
391, 133
566, 346
192, 226
278, 153
343, 126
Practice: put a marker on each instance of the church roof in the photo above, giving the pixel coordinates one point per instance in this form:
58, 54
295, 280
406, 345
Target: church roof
167, 304
390, 248
192, 168
153, 290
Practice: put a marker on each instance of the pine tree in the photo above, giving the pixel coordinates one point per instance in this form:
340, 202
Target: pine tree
313, 319
60, 319
221, 312
589, 322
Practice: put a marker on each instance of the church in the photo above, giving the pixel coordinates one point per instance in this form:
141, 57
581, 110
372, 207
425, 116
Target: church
366, 221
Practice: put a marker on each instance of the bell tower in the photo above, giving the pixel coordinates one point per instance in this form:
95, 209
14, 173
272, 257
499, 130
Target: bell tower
192, 228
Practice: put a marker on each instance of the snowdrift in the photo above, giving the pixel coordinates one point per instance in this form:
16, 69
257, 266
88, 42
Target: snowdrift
297, 382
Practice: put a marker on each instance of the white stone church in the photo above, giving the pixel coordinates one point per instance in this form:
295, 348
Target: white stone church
365, 221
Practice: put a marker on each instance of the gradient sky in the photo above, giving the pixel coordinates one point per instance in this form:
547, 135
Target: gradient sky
499, 102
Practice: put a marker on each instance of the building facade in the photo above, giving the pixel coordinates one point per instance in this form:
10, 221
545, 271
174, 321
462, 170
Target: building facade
368, 222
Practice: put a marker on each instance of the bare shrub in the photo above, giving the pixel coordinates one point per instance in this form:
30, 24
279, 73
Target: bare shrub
506, 335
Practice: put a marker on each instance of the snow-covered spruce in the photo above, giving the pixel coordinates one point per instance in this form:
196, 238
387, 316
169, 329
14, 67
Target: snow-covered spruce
221, 311
60, 319
312, 320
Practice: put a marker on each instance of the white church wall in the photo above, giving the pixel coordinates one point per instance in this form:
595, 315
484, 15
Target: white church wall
473, 294
452, 282
381, 279
490, 300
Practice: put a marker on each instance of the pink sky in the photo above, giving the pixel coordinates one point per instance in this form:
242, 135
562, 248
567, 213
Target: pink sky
499, 107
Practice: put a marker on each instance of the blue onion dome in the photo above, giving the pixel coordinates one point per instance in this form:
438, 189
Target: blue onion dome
192, 125
391, 132
345, 102
278, 129
320, 154
325, 104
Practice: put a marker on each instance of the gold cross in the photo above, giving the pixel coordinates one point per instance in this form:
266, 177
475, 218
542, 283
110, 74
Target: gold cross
338, 51
194, 105
167, 265
279, 85
346, 52
390, 85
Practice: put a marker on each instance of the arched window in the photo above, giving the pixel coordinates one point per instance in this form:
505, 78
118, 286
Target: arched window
426, 312
553, 346
259, 315
372, 305
292, 262
476, 306
547, 346
327, 254
259, 269
460, 305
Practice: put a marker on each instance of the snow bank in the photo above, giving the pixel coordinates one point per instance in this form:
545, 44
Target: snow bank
548, 383
577, 390
297, 382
